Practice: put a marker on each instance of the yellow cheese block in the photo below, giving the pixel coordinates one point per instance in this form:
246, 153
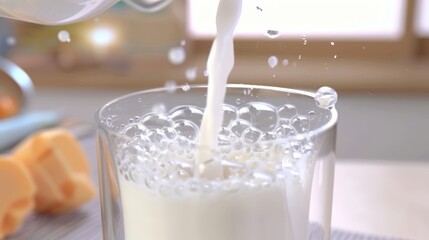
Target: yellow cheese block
8, 106
16, 195
59, 168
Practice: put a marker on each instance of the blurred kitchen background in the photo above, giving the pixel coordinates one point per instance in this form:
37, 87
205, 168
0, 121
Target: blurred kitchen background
375, 53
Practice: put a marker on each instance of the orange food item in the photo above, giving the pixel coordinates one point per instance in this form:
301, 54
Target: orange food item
8, 106
16, 195
59, 168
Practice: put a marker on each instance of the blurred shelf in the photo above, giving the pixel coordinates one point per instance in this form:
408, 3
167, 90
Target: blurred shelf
131, 72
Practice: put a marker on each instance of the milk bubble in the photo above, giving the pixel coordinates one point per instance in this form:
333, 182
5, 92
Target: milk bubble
326, 97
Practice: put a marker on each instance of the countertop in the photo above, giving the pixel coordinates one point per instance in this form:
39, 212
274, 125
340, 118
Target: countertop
382, 198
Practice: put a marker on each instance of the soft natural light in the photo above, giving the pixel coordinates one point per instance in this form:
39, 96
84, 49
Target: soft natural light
103, 36
344, 19
422, 18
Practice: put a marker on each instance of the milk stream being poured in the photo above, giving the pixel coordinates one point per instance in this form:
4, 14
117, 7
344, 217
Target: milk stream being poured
219, 66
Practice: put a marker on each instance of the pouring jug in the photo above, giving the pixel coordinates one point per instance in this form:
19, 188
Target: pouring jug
58, 12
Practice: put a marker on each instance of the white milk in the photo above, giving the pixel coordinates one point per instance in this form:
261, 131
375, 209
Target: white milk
278, 212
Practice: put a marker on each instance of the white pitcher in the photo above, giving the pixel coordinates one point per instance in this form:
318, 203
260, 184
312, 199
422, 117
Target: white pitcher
58, 12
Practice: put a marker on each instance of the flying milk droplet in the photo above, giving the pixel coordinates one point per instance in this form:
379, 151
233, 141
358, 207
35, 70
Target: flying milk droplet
191, 73
177, 55
64, 36
273, 61
285, 62
332, 44
326, 97
273, 33
304, 40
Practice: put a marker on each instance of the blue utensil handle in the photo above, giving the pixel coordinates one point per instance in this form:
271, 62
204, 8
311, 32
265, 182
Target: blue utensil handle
14, 129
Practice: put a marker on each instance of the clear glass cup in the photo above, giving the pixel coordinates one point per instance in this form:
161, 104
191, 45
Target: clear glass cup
276, 151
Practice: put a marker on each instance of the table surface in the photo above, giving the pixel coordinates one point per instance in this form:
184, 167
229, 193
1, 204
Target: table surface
382, 198
374, 197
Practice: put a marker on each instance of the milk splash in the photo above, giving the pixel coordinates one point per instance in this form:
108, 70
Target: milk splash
219, 66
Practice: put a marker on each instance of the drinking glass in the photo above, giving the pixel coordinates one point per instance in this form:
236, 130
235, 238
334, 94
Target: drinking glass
275, 152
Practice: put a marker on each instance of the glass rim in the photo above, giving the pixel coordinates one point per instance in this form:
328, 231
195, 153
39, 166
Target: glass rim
325, 127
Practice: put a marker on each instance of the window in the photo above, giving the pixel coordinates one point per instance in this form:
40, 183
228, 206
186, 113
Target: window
328, 19
422, 18
379, 26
